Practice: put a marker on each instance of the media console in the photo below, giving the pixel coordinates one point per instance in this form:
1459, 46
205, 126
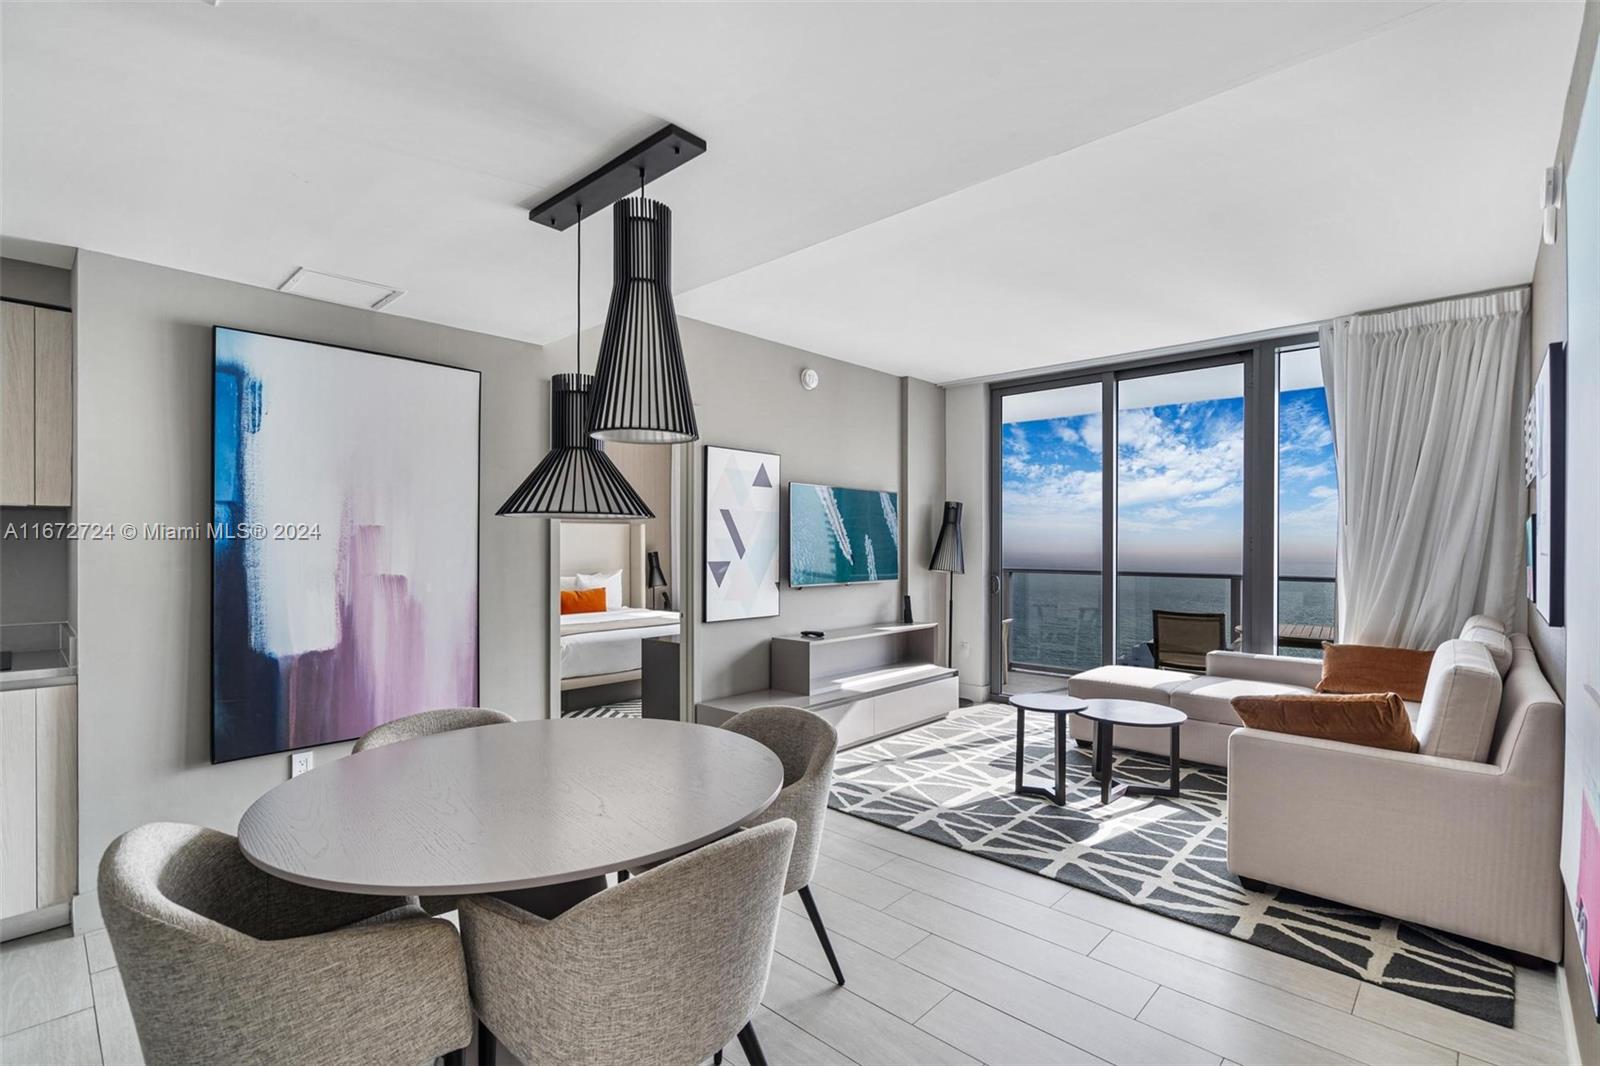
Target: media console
869, 681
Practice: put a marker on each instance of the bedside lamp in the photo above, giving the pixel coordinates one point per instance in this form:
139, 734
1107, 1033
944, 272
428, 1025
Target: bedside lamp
948, 556
655, 579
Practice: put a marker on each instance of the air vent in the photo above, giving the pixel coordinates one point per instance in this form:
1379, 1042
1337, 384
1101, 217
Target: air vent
336, 289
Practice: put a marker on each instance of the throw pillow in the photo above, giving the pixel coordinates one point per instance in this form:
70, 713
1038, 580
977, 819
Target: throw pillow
1374, 720
583, 601
1356, 669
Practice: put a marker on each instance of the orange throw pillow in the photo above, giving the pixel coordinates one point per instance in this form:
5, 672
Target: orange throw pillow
1356, 669
582, 601
1373, 720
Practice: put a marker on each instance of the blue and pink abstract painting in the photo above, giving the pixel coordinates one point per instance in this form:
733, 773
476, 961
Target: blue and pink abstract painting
344, 542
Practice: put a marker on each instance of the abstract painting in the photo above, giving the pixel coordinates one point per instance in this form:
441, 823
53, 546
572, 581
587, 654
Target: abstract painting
741, 531
842, 536
344, 542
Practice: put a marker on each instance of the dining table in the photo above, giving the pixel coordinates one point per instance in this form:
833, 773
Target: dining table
538, 810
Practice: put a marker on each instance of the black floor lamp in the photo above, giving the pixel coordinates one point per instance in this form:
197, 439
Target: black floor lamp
948, 556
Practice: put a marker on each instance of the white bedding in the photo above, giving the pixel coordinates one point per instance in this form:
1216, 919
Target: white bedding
607, 642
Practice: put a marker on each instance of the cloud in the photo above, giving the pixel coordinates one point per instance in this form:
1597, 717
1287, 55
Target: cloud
1306, 471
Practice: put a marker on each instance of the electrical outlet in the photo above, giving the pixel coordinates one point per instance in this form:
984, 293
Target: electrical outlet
299, 763
966, 647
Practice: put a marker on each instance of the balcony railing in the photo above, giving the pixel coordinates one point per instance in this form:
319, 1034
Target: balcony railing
1055, 617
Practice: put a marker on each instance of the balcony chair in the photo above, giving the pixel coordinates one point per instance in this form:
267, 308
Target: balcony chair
1182, 639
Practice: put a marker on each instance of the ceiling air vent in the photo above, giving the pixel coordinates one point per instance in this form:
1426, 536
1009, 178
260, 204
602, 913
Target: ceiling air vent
336, 289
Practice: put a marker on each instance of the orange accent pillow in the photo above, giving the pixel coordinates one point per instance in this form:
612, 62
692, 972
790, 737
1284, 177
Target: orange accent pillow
1354, 669
582, 601
1374, 720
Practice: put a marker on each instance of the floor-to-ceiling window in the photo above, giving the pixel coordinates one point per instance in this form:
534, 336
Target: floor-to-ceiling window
1218, 508
1050, 488
1308, 504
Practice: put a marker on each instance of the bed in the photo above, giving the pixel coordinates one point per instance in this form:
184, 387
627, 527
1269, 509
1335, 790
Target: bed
602, 647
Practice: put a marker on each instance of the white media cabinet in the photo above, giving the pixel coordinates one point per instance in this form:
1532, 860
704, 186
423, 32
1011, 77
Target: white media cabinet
869, 681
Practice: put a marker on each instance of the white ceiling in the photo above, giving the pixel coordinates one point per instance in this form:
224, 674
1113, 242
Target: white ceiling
942, 190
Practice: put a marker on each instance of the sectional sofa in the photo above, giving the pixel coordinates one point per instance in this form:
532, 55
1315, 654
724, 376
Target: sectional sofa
1463, 836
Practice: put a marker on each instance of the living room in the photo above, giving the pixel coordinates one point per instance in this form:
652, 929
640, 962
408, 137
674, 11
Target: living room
786, 553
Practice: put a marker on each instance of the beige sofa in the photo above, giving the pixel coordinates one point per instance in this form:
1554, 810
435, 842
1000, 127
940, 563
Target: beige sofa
1463, 836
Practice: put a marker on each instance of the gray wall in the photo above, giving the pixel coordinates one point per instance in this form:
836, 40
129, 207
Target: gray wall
1549, 325
144, 455
35, 283
967, 477
34, 573
847, 432
922, 496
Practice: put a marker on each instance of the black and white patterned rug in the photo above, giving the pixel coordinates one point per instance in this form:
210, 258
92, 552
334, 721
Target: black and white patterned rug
952, 782
625, 709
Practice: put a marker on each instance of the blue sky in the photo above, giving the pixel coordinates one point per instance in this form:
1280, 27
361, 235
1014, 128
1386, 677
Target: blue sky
1180, 487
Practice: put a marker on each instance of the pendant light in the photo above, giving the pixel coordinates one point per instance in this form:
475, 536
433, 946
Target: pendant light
641, 385
576, 479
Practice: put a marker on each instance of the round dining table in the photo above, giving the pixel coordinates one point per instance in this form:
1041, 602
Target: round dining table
516, 806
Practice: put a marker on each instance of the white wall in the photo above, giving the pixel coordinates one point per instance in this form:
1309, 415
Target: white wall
144, 455
967, 480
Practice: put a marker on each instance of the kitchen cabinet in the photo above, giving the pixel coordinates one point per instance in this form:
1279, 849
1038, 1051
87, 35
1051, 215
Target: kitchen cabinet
36, 391
39, 797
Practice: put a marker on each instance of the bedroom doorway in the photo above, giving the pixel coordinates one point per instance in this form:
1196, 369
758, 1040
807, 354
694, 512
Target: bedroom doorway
617, 651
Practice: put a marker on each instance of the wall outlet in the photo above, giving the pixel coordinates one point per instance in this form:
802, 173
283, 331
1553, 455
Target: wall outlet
299, 763
966, 648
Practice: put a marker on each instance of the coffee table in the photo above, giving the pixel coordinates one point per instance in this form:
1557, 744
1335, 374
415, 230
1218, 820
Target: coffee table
1058, 705
1106, 715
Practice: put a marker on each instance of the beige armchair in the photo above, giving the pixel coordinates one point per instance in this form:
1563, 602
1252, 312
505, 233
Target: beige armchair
1469, 847
225, 963
666, 967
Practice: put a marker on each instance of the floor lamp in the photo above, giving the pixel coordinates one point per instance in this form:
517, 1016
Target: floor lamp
948, 556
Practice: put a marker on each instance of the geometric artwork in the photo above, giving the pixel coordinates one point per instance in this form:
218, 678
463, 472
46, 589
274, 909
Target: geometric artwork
344, 587
1549, 405
741, 534
842, 536
951, 782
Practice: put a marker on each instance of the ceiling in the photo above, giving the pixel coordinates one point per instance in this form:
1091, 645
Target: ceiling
945, 190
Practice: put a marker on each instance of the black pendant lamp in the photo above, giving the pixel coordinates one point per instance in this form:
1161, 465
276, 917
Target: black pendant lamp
576, 480
641, 391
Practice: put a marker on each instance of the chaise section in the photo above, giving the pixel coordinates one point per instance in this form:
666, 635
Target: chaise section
1139, 683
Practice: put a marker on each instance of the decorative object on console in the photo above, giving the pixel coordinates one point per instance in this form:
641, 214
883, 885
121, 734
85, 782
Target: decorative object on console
905, 609
655, 579
1549, 410
949, 557
368, 609
575, 479
741, 534
842, 536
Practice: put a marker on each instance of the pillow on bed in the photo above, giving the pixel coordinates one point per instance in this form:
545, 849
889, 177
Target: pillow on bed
582, 601
611, 582
568, 582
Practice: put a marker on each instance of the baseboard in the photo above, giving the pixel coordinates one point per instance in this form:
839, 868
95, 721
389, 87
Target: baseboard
21, 925
975, 693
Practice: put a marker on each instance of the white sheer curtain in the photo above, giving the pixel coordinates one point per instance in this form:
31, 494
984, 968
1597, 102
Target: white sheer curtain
1427, 439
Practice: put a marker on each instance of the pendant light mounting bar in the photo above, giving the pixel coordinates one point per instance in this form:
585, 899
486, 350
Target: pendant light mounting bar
662, 152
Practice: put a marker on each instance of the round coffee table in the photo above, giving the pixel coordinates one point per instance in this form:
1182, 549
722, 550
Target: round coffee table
1059, 705
1106, 715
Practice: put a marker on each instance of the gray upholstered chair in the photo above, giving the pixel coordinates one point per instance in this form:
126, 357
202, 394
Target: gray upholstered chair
427, 723
225, 963
664, 968
805, 743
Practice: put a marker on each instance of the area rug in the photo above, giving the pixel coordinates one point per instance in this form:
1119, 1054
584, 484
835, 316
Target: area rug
952, 781
625, 709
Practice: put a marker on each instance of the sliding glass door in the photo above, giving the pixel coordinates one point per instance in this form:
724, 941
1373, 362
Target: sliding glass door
1137, 514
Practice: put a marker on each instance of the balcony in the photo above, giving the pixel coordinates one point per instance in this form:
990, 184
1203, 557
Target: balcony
1055, 616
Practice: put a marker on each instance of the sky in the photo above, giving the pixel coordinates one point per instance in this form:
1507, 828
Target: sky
1180, 484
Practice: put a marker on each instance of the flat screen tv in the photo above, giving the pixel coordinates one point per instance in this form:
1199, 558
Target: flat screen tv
842, 536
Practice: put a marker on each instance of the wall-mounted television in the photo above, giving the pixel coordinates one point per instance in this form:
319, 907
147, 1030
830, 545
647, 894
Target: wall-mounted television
842, 536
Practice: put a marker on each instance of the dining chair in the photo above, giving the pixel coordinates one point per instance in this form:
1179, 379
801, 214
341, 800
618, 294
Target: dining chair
222, 962
805, 743
668, 966
427, 723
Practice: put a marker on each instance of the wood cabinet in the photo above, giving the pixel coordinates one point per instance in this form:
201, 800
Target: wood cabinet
36, 393
38, 798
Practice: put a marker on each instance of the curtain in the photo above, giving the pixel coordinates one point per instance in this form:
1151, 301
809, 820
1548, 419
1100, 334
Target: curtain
1427, 443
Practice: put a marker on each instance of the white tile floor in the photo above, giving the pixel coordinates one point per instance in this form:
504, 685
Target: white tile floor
951, 959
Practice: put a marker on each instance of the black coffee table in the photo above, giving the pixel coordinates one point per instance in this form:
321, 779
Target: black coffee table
1058, 705
1106, 715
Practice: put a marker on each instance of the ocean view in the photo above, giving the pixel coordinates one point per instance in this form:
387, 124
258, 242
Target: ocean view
1056, 617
